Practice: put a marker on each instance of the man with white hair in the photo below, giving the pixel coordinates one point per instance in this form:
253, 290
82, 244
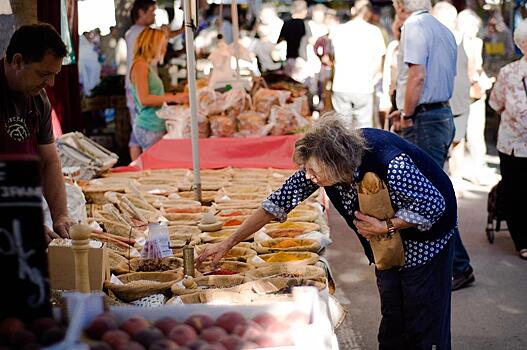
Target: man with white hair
425, 79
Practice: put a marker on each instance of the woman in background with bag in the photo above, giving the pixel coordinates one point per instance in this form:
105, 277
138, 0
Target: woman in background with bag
413, 196
509, 98
147, 88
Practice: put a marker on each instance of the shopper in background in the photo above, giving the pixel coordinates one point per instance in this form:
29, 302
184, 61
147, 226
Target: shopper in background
89, 63
469, 23
509, 98
147, 88
296, 33
32, 61
142, 15
446, 13
498, 48
425, 81
359, 48
415, 298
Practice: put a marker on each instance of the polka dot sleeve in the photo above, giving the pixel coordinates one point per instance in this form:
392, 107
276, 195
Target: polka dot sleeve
418, 200
292, 193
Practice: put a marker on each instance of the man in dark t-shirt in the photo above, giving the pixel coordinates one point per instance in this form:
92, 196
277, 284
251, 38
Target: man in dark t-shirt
33, 59
296, 34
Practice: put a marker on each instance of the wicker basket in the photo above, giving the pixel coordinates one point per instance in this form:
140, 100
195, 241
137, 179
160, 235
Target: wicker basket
266, 291
290, 229
301, 258
287, 271
209, 282
138, 285
234, 254
237, 266
280, 244
156, 265
303, 216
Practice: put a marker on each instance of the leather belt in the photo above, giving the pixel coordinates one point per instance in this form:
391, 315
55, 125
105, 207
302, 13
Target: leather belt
425, 107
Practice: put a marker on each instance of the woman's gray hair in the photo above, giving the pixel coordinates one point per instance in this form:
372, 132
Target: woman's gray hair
415, 5
520, 33
338, 150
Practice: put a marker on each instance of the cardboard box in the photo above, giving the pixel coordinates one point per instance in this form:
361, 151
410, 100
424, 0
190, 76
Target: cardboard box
62, 267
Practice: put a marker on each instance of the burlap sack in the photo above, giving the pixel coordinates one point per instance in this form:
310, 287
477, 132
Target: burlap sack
374, 200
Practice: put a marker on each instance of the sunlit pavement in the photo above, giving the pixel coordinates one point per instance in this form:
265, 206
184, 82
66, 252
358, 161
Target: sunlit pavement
490, 314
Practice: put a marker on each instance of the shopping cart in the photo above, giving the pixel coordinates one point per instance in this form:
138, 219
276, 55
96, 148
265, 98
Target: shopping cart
495, 211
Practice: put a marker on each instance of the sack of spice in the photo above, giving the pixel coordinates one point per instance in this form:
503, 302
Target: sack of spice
374, 200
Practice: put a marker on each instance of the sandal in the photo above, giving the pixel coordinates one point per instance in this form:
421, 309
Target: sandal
523, 254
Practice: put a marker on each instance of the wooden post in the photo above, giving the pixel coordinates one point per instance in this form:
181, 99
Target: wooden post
80, 235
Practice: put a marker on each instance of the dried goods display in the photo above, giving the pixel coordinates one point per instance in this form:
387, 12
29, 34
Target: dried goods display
281, 110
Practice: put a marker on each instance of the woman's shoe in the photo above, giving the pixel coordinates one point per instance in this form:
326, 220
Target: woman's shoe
523, 254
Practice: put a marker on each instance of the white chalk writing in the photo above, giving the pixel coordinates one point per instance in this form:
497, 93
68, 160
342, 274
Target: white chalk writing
14, 246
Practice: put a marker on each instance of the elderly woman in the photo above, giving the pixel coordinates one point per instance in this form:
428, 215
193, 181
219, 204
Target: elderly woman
509, 98
415, 299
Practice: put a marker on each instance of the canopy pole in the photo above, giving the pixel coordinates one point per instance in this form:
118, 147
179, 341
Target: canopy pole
193, 98
236, 34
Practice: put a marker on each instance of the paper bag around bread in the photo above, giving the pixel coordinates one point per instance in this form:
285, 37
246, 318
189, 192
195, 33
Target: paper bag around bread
374, 200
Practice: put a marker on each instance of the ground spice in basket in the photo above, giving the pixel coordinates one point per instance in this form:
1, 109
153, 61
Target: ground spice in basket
224, 272
233, 222
285, 257
288, 243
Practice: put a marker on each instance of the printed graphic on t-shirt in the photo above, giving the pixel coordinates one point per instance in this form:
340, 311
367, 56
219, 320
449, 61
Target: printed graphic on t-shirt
17, 129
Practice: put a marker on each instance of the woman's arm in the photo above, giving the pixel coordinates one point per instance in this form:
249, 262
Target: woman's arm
296, 189
139, 77
253, 223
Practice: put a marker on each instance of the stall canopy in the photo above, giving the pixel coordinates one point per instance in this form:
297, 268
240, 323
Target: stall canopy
243, 152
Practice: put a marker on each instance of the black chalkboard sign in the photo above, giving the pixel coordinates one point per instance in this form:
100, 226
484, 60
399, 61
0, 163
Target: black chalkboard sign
23, 261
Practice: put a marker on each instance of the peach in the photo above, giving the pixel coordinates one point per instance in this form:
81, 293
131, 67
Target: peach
21, 338
298, 319
213, 334
100, 346
279, 327
232, 342
134, 325
229, 320
213, 346
164, 344
99, 326
200, 322
10, 326
116, 338
265, 341
182, 334
165, 324
265, 320
42, 324
148, 336
247, 330
52, 336
131, 346
196, 344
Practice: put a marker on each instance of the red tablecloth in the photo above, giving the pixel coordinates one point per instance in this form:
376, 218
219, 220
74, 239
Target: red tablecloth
239, 152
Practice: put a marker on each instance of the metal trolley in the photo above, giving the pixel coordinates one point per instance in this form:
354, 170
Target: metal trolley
495, 211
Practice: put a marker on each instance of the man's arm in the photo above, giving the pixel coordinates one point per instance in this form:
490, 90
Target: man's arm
414, 90
414, 87
53, 188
